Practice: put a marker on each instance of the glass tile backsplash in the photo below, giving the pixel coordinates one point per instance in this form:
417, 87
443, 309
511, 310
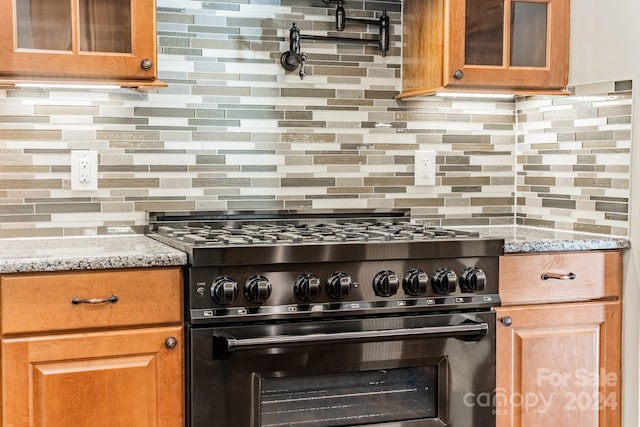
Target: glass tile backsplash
234, 130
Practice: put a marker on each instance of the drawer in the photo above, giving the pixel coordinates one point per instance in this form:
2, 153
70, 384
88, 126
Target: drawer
45, 302
560, 277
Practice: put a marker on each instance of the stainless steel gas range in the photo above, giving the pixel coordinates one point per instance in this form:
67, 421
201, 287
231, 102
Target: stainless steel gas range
335, 319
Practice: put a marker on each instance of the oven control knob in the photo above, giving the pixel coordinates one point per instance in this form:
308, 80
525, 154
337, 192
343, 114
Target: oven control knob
415, 282
385, 283
339, 285
472, 279
444, 281
257, 289
307, 287
224, 290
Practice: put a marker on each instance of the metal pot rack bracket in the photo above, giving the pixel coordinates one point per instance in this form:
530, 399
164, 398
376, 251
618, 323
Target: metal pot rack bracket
294, 57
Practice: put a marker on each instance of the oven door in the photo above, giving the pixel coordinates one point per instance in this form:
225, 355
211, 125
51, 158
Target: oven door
433, 370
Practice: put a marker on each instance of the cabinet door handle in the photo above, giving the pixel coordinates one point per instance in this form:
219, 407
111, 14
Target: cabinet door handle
171, 342
558, 276
112, 299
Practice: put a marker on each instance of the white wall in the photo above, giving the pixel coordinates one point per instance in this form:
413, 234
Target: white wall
605, 46
605, 40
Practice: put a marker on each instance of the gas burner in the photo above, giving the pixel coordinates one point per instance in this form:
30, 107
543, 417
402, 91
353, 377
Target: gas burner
260, 233
214, 239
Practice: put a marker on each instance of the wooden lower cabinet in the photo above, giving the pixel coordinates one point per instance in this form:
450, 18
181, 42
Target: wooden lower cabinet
92, 348
559, 365
128, 378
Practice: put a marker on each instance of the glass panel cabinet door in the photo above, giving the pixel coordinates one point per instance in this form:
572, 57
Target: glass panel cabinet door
484, 32
85, 39
44, 25
105, 26
529, 34
508, 43
509, 46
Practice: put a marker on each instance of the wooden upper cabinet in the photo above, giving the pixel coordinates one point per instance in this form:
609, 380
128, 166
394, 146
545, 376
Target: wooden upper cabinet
79, 41
509, 46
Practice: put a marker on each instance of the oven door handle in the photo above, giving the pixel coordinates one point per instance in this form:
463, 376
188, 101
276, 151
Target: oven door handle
467, 331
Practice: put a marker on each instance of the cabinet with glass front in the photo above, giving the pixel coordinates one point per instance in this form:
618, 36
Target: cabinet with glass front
515, 46
79, 41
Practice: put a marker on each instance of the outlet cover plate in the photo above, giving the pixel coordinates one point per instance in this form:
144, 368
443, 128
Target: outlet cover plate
84, 170
425, 168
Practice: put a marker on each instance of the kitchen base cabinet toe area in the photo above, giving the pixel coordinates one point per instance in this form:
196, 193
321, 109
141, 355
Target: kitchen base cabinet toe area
559, 357
92, 363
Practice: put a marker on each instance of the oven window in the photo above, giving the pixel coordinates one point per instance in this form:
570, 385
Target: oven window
352, 398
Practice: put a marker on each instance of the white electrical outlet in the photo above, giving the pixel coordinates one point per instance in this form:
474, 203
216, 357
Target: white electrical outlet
425, 168
84, 170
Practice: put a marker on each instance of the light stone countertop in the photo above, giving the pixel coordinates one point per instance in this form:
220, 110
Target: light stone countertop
137, 251
85, 253
519, 239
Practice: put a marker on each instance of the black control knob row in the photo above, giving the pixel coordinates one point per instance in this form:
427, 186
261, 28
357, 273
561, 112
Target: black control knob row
386, 283
224, 290
444, 281
257, 289
473, 279
415, 282
307, 287
339, 285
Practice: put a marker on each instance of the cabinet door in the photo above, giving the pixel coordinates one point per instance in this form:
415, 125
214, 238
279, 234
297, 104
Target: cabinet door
559, 365
508, 43
111, 379
83, 38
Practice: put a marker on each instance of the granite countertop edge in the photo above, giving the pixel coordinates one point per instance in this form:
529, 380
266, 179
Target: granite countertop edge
520, 239
564, 245
31, 255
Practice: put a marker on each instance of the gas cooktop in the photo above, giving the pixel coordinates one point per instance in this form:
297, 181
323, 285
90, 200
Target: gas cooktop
266, 265
288, 233
218, 238
211, 229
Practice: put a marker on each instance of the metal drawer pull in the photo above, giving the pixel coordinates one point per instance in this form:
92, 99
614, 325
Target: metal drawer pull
547, 276
111, 299
228, 344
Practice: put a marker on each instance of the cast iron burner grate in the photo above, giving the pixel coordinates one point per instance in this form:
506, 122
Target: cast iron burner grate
273, 234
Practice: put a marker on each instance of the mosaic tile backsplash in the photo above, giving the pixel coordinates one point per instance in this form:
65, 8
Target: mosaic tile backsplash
234, 131
574, 159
